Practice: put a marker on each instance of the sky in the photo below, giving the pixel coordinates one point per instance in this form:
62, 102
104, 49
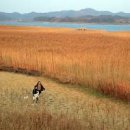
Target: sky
26, 6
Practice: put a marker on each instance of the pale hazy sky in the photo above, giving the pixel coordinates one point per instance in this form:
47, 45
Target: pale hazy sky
24, 6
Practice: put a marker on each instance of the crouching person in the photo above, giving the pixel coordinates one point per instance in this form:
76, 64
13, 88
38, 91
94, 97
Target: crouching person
38, 88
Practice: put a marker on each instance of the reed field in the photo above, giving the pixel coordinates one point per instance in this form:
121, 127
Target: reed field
60, 107
92, 59
18, 112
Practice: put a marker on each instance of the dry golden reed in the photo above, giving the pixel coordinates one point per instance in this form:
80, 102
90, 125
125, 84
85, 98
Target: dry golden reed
58, 108
95, 59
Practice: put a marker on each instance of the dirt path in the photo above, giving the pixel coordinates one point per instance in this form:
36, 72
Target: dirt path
59, 98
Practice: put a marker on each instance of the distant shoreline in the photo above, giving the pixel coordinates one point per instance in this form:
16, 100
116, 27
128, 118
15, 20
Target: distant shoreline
60, 29
93, 27
68, 22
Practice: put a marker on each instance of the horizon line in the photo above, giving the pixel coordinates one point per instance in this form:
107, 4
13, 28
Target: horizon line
63, 10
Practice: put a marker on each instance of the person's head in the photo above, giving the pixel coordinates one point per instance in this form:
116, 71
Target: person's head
39, 83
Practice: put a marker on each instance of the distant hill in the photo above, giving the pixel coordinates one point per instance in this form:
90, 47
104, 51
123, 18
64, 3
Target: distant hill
87, 19
85, 15
4, 17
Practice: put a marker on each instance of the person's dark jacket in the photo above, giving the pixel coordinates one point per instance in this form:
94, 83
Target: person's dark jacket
35, 90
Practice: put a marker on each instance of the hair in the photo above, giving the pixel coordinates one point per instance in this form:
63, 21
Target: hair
38, 83
37, 86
